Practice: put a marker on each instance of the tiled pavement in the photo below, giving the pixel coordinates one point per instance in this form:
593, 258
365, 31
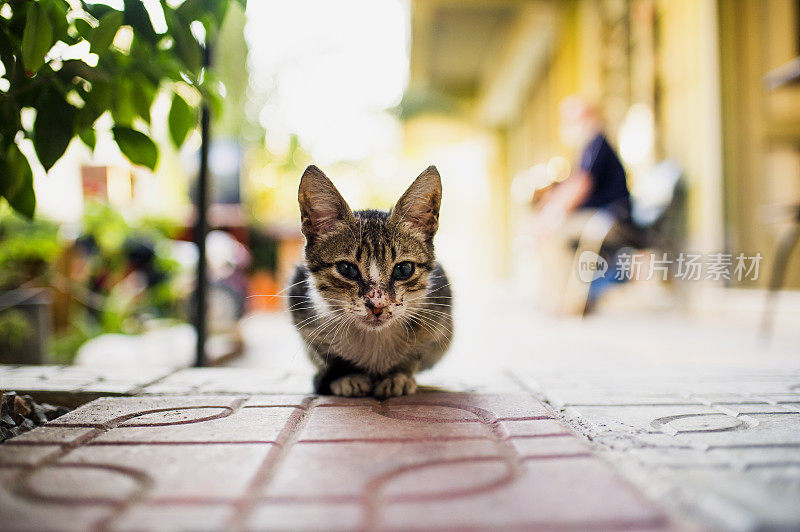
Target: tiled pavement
721, 446
445, 461
74, 385
714, 448
699, 418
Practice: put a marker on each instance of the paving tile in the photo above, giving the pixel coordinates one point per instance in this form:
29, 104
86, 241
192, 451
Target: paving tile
78, 483
257, 401
444, 479
193, 517
365, 423
232, 381
110, 388
538, 427
563, 445
319, 470
434, 459
26, 454
654, 418
501, 406
305, 517
732, 462
27, 514
752, 499
794, 406
681, 458
572, 397
330, 400
110, 380
201, 425
209, 471
759, 456
112, 409
441, 379
660, 440
545, 495
48, 434
788, 401
757, 429
735, 409
728, 398
779, 398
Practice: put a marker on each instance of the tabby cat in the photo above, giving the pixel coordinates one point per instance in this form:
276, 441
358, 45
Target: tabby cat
370, 302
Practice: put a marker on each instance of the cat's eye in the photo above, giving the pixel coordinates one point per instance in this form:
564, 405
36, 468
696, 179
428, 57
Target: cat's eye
347, 269
403, 270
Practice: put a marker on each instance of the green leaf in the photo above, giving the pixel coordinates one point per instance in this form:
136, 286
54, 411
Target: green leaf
57, 9
9, 122
186, 46
24, 201
6, 53
143, 94
37, 38
16, 181
181, 120
191, 9
98, 101
89, 137
10, 176
103, 35
53, 128
138, 18
98, 11
136, 146
123, 111
84, 28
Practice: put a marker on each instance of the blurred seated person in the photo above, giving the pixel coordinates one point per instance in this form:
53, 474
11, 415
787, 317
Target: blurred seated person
596, 189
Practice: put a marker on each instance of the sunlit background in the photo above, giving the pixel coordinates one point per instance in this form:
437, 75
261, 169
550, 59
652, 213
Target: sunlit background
374, 91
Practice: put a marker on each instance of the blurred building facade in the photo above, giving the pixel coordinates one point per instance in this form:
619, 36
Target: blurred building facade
695, 68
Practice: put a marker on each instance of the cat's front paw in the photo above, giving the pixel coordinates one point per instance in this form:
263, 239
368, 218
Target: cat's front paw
357, 385
396, 385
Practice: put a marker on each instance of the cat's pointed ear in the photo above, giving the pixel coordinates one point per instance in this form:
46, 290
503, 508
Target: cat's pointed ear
322, 208
418, 208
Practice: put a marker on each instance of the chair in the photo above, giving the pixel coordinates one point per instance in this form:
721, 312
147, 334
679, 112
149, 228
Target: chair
657, 222
783, 252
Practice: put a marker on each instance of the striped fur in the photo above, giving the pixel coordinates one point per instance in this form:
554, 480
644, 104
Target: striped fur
356, 352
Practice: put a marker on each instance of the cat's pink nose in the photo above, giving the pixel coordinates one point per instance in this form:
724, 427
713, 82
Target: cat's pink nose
376, 301
376, 305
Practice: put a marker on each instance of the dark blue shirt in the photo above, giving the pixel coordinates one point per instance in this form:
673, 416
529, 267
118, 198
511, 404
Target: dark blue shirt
609, 186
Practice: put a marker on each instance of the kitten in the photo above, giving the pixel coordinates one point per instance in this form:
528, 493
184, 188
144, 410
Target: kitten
371, 303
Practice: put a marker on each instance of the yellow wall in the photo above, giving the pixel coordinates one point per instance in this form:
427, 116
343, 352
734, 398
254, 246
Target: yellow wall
699, 65
688, 112
761, 127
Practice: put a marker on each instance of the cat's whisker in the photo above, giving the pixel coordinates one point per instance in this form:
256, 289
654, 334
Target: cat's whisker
341, 326
322, 315
432, 321
433, 311
321, 328
432, 303
427, 295
277, 296
307, 321
365, 265
311, 305
427, 327
279, 292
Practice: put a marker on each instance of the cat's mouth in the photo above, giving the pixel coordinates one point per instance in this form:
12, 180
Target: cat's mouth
376, 321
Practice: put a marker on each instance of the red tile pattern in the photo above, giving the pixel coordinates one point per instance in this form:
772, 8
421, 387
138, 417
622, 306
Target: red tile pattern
434, 461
